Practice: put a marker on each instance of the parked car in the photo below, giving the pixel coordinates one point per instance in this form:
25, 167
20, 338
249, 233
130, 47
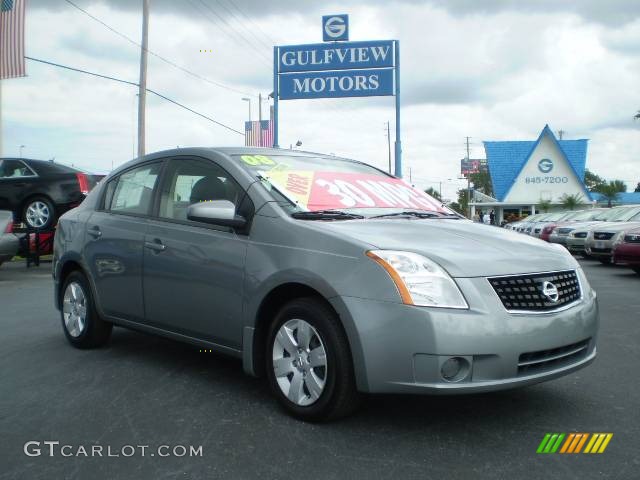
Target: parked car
548, 227
326, 275
602, 238
517, 225
9, 242
561, 230
577, 238
627, 251
37, 191
536, 228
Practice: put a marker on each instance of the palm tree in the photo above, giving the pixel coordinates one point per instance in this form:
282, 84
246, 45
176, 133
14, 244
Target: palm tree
544, 205
611, 190
433, 192
571, 201
637, 116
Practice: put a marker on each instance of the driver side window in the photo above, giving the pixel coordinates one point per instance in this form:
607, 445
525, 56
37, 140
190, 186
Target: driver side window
190, 181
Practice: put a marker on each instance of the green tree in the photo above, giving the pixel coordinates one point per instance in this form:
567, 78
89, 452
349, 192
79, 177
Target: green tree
463, 201
456, 206
482, 181
433, 192
544, 205
637, 116
570, 202
593, 181
637, 190
611, 190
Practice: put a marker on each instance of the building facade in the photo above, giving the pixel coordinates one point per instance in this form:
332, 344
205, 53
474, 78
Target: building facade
527, 173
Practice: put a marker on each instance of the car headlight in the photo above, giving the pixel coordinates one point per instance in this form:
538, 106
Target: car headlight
420, 281
586, 286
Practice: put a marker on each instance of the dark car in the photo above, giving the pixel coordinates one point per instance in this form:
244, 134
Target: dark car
627, 251
38, 192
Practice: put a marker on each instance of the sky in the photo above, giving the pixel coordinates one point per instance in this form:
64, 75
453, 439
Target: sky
489, 70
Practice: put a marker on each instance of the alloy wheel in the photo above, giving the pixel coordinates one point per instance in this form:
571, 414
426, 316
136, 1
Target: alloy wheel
74, 309
300, 362
38, 214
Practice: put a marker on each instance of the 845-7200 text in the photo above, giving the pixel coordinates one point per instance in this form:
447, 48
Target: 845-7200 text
546, 180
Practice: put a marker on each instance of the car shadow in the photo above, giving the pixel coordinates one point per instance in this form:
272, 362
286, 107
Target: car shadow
214, 374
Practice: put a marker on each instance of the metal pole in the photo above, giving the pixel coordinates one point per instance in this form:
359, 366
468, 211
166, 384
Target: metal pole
468, 184
389, 147
398, 140
142, 93
276, 94
0, 118
260, 107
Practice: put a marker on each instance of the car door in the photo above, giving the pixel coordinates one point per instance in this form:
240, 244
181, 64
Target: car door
15, 179
193, 272
115, 238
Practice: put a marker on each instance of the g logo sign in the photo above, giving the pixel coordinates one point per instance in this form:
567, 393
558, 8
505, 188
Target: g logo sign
545, 165
335, 27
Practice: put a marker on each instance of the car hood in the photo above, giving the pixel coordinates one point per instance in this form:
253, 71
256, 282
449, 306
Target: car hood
616, 227
463, 248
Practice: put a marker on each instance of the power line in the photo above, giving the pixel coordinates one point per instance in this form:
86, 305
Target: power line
160, 57
107, 77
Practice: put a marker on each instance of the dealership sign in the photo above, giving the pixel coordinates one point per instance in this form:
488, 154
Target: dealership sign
338, 69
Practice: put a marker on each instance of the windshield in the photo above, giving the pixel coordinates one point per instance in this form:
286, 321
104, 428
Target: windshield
626, 214
307, 183
586, 215
608, 214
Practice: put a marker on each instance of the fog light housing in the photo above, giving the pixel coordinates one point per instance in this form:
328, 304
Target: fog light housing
454, 369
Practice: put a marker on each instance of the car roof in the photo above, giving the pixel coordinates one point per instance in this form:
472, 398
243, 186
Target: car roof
44, 165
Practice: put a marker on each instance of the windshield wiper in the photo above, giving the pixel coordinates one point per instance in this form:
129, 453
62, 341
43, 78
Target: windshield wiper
326, 215
410, 213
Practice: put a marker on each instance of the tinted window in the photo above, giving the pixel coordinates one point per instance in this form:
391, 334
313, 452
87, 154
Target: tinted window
134, 190
14, 168
190, 181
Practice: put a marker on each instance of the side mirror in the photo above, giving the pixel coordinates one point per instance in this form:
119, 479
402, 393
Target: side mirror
216, 212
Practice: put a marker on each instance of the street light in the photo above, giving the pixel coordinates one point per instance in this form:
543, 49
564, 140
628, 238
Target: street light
21, 147
246, 99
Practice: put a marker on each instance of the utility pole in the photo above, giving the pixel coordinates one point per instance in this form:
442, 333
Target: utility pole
0, 118
389, 146
142, 93
410, 178
468, 183
260, 107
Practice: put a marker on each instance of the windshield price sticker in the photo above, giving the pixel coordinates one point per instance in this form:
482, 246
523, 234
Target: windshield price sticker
338, 190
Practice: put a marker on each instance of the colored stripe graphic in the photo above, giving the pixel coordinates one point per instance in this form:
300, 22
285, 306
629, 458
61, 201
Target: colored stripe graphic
574, 442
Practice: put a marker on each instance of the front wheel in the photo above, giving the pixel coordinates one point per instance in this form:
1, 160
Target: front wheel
605, 261
80, 321
309, 366
636, 269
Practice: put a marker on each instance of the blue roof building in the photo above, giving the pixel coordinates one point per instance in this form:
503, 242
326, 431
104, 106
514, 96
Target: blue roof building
524, 173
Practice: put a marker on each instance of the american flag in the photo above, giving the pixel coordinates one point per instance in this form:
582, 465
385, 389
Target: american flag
258, 133
12, 38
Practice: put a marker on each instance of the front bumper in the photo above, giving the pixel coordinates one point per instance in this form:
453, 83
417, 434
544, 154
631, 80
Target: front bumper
575, 245
560, 239
401, 349
599, 248
627, 254
9, 245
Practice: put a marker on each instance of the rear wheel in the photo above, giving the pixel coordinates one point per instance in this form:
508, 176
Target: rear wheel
605, 260
39, 213
308, 362
81, 324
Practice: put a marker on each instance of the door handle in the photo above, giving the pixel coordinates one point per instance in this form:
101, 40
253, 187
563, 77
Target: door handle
95, 232
156, 246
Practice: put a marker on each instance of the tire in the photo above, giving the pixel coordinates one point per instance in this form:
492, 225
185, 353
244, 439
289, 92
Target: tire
636, 269
82, 331
39, 213
326, 392
605, 261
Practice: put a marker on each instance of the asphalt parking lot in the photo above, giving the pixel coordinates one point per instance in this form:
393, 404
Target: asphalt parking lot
142, 390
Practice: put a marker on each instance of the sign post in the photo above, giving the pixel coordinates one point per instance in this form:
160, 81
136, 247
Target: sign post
338, 69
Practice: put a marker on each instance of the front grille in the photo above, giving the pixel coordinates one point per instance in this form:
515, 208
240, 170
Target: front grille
545, 360
537, 230
565, 231
602, 235
580, 235
600, 250
525, 292
632, 238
